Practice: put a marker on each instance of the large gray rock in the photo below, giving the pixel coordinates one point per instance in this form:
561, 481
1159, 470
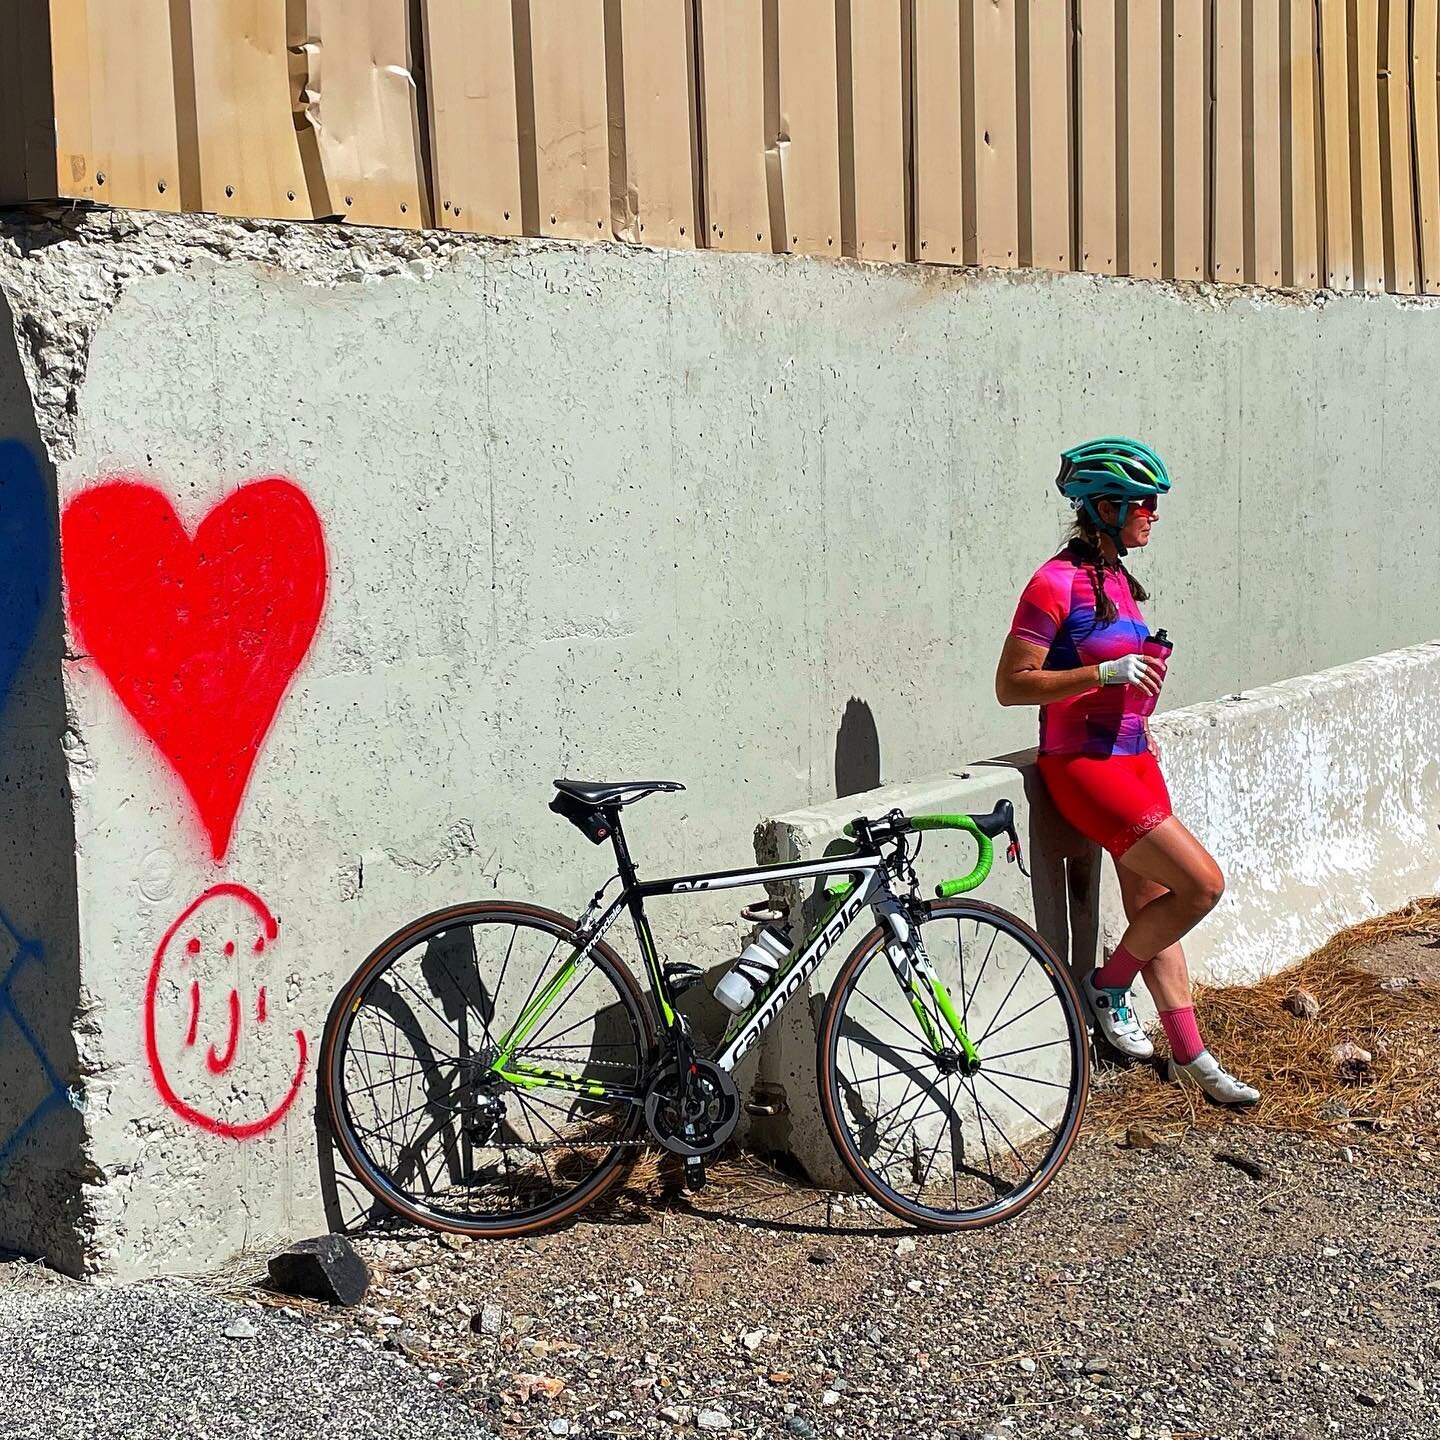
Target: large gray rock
325, 1268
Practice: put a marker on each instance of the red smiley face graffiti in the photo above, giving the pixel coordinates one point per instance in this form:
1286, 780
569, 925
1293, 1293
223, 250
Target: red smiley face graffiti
225, 930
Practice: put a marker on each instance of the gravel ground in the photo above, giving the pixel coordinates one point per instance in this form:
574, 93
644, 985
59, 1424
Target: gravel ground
1149, 1293
1231, 1283
155, 1360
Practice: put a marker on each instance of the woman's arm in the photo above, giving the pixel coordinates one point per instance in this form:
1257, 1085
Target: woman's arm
1021, 677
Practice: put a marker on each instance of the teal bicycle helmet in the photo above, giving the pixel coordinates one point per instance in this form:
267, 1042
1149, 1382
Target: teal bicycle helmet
1111, 469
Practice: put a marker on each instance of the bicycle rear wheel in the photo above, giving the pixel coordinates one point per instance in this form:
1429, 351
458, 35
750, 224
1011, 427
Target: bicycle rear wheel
418, 1112
934, 1142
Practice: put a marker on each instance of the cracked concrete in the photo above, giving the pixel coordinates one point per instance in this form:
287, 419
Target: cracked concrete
592, 508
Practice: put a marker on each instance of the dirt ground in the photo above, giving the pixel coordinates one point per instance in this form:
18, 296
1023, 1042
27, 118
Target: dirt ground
1228, 1279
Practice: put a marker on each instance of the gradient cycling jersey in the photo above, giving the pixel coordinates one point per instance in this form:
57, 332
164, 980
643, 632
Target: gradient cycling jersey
1057, 613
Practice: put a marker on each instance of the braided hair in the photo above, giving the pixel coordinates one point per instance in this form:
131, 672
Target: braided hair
1084, 549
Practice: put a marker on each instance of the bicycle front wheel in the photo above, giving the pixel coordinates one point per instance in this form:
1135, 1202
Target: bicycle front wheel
943, 1142
425, 1113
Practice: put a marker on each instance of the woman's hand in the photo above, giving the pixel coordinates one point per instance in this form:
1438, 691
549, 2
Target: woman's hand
1150, 744
1139, 670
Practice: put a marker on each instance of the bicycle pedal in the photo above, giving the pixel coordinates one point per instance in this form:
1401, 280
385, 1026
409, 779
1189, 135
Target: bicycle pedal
681, 976
694, 1173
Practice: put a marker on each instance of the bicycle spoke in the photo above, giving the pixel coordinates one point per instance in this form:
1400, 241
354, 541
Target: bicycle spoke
906, 1126
1043, 1000
964, 998
1000, 1008
984, 1075
1025, 1050
899, 1025
984, 965
1029, 1079
451, 1138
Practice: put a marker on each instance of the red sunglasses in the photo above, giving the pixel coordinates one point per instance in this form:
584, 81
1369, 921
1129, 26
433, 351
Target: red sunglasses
1148, 506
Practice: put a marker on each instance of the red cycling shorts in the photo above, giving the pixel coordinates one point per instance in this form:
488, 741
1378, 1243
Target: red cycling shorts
1113, 800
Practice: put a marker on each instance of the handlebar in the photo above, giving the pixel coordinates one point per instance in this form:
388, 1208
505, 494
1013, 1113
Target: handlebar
984, 859
983, 829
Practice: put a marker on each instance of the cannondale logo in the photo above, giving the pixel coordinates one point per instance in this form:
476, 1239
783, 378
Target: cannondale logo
799, 975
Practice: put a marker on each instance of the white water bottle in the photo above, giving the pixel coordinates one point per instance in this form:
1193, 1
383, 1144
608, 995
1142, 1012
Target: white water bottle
754, 970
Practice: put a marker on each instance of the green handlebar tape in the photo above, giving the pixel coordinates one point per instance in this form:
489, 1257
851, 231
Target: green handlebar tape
944, 822
983, 861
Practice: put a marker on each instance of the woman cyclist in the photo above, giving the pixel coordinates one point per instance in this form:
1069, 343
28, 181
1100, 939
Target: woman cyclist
1075, 651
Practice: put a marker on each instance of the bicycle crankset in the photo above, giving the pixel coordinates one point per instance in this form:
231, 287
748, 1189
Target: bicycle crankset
692, 1114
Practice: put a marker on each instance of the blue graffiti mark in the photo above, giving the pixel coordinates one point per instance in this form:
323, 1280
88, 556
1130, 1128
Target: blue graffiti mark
26, 952
25, 558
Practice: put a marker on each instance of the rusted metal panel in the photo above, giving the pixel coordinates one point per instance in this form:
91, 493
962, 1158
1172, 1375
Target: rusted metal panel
733, 106
939, 144
1046, 110
1302, 233
1424, 61
654, 121
240, 149
1336, 121
1096, 136
1140, 185
474, 121
1397, 171
1184, 144
990, 169
875, 97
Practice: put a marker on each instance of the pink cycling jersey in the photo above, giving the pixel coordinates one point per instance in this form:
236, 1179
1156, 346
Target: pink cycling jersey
1057, 613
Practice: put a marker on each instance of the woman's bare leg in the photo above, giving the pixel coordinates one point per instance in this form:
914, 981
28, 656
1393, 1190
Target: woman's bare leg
1167, 977
1189, 882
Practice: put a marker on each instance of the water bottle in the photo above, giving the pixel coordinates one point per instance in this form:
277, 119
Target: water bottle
1158, 647
754, 970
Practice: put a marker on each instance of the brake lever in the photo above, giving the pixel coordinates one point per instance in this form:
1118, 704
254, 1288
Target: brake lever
1014, 854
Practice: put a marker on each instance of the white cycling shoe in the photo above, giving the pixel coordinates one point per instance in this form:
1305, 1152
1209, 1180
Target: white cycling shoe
1206, 1073
1116, 1020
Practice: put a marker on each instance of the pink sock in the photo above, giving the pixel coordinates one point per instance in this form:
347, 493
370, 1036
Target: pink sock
1119, 971
1182, 1033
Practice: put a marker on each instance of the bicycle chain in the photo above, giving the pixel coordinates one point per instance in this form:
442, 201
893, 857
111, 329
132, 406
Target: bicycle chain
580, 1144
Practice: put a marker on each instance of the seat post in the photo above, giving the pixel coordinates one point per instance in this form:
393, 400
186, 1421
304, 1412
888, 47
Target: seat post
622, 850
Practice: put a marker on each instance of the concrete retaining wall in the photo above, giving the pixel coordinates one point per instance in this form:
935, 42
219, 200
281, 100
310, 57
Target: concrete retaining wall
1319, 796
755, 522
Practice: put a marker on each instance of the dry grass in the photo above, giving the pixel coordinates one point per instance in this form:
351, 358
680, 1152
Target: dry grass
1290, 1060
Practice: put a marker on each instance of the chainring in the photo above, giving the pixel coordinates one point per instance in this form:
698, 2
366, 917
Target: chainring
693, 1119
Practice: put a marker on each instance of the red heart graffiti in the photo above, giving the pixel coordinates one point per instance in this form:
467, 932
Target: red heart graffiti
199, 638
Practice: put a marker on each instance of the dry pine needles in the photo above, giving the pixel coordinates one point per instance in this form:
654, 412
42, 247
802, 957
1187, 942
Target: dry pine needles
1308, 1071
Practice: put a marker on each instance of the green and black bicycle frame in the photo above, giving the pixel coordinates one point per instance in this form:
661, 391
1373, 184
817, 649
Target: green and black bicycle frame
855, 880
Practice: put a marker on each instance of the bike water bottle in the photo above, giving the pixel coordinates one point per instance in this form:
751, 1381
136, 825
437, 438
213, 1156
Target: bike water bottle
754, 970
1159, 647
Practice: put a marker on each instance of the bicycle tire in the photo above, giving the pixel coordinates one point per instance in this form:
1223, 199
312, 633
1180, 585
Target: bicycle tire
372, 1172
833, 1102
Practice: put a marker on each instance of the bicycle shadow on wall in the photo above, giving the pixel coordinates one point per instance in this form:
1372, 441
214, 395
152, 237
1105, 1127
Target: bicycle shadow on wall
419, 1042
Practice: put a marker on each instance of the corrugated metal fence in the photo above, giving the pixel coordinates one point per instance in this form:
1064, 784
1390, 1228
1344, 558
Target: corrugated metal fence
1276, 142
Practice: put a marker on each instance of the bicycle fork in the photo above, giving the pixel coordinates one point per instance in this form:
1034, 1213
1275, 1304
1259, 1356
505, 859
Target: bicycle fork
940, 1023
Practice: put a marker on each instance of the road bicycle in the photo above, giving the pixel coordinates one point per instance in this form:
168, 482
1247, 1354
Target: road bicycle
953, 1055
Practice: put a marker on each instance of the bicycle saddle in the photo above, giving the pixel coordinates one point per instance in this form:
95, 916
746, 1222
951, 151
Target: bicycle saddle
613, 792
